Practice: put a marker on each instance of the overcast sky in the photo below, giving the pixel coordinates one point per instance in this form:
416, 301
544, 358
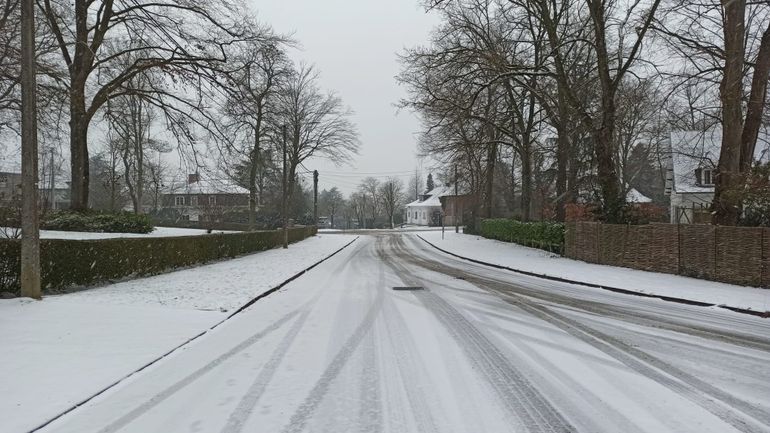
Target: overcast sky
354, 45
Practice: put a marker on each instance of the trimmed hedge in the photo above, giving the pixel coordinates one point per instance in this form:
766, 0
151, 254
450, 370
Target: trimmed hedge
92, 221
66, 262
547, 236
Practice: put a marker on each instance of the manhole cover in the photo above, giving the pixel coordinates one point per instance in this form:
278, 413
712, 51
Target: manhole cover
408, 288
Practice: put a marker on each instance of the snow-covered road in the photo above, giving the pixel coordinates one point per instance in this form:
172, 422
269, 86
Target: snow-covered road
477, 350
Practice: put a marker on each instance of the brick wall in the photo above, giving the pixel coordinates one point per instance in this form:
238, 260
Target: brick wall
738, 255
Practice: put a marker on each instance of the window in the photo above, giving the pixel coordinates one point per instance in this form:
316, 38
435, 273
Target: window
194, 200
212, 200
179, 200
704, 176
3, 181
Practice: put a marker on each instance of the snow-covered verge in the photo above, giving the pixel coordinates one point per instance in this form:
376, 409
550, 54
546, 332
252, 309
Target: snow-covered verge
533, 260
159, 232
56, 352
221, 286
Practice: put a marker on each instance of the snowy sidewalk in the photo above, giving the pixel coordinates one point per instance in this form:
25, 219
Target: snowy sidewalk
61, 350
542, 262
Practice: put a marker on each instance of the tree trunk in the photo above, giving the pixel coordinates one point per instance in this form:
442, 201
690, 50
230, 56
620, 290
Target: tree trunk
253, 189
607, 174
756, 105
526, 180
127, 171
139, 152
562, 156
78, 152
727, 203
491, 159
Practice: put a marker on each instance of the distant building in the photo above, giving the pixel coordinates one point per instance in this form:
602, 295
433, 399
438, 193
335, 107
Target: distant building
692, 166
10, 192
204, 200
426, 210
10, 187
456, 208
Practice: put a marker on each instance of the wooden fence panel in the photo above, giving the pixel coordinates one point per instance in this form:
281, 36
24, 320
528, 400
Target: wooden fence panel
739, 255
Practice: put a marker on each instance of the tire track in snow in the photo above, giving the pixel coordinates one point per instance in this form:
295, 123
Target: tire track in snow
243, 411
541, 290
409, 370
192, 377
370, 409
716, 401
306, 410
521, 399
721, 404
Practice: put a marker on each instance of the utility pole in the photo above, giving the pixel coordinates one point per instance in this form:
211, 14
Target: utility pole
457, 201
284, 209
315, 196
30, 230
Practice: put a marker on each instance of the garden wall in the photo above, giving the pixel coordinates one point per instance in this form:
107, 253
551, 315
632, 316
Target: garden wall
737, 255
66, 263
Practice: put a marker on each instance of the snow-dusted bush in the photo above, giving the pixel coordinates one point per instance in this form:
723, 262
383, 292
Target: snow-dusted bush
66, 262
548, 236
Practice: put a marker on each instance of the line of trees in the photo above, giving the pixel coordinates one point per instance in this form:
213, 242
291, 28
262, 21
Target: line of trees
375, 203
123, 81
572, 100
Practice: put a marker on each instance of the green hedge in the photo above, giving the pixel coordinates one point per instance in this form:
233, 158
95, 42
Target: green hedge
547, 236
66, 263
93, 221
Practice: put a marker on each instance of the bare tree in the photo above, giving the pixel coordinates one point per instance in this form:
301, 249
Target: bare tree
370, 189
391, 195
331, 202
725, 48
184, 39
251, 109
317, 124
130, 118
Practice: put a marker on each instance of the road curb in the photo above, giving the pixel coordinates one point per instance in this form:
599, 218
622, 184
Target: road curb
762, 314
190, 340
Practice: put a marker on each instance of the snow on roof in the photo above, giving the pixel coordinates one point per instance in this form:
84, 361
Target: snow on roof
208, 186
691, 150
434, 196
634, 196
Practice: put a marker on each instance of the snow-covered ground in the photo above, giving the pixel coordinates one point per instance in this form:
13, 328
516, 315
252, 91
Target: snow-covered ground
56, 352
533, 260
477, 350
159, 232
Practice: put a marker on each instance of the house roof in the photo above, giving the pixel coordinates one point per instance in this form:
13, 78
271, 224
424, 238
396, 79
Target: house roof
634, 196
691, 150
433, 199
207, 186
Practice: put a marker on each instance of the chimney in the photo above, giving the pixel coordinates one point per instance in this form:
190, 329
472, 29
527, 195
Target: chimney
193, 178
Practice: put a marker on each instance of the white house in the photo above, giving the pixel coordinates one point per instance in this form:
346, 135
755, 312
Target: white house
692, 164
426, 211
